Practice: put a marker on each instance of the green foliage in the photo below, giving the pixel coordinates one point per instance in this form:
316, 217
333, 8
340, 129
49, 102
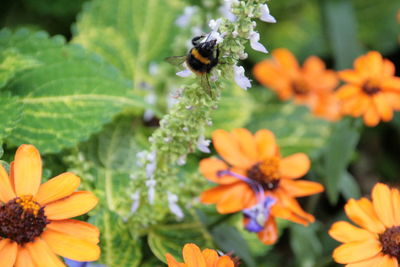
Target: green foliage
10, 113
119, 248
129, 34
295, 128
305, 244
336, 156
172, 237
228, 116
69, 96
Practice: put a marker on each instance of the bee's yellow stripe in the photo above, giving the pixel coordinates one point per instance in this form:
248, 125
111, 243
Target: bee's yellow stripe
199, 57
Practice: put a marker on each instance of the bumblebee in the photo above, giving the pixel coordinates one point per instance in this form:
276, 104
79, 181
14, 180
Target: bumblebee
201, 59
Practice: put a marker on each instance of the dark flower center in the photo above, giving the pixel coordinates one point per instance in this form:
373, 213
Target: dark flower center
371, 87
22, 219
390, 241
266, 173
300, 87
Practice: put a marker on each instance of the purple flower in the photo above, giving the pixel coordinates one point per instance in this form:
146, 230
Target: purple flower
258, 214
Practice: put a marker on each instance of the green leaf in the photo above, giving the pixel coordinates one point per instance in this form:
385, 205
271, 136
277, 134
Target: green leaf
295, 128
164, 239
12, 62
340, 25
384, 36
349, 186
67, 98
229, 239
129, 34
337, 154
305, 244
10, 113
228, 116
119, 248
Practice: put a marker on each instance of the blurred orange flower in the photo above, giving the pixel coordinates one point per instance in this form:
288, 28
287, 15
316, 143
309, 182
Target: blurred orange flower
194, 257
372, 90
257, 181
377, 241
311, 85
35, 222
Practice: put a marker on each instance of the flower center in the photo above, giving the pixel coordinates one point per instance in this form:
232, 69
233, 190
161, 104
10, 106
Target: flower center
371, 87
300, 87
266, 173
390, 241
22, 219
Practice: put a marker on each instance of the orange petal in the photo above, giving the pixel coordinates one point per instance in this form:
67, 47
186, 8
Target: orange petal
229, 198
388, 261
71, 247
42, 255
314, 65
291, 203
388, 68
192, 256
210, 167
269, 234
356, 251
282, 212
382, 201
362, 213
224, 261
371, 262
351, 76
227, 146
266, 144
347, 91
371, 117
24, 259
83, 230
301, 188
286, 60
246, 142
58, 187
383, 107
27, 170
394, 99
370, 65
12, 175
210, 256
6, 191
172, 262
391, 84
294, 166
76, 204
345, 232
8, 253
396, 205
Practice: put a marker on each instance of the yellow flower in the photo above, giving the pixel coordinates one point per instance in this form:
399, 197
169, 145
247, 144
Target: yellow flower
35, 222
376, 242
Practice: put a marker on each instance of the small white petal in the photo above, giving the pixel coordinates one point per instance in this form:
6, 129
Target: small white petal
215, 24
175, 209
150, 185
136, 201
254, 37
181, 160
240, 78
214, 35
265, 15
184, 19
184, 73
202, 144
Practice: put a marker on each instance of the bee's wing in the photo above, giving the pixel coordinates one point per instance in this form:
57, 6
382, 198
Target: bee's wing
176, 60
205, 83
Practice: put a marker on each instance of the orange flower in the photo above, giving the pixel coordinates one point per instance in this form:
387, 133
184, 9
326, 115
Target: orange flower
257, 178
193, 257
372, 90
35, 222
311, 85
377, 241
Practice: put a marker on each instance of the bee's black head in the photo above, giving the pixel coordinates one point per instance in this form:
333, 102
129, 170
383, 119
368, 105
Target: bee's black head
207, 48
